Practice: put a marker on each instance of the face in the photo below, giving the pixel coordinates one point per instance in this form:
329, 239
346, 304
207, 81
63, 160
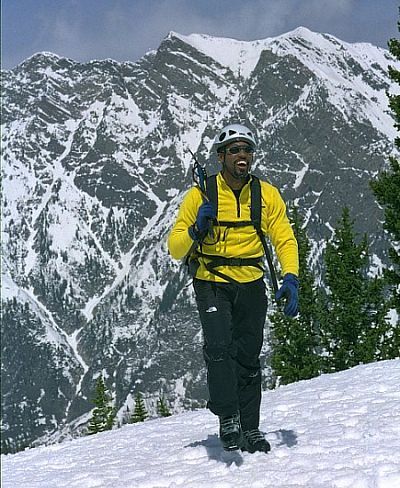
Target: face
237, 165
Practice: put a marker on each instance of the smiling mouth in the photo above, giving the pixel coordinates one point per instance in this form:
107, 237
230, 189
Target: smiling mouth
242, 164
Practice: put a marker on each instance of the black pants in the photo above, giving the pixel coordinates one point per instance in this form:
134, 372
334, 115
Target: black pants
233, 320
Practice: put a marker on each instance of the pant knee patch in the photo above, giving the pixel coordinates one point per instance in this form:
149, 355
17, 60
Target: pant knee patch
216, 353
251, 376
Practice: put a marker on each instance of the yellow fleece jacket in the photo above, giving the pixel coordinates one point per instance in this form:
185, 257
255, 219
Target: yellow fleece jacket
237, 242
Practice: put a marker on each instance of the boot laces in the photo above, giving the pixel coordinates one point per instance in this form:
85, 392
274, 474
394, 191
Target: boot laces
229, 424
254, 436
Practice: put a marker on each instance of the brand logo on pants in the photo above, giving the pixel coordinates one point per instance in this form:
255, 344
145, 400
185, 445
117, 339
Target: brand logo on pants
211, 309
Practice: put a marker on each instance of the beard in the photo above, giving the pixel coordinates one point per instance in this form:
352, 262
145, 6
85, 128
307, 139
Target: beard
237, 172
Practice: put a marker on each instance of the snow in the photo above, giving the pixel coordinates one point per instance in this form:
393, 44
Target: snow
53, 333
299, 174
126, 260
73, 343
335, 431
329, 58
9, 289
241, 57
198, 428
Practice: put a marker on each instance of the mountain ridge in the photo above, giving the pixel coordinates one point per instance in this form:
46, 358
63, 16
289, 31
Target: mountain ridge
96, 163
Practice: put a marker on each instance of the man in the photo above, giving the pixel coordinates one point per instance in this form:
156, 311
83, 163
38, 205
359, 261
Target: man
230, 292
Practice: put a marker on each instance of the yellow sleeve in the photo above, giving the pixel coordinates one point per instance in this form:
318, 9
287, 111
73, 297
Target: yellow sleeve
179, 241
281, 233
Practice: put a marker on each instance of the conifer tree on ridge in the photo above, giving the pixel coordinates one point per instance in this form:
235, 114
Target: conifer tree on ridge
139, 413
104, 413
355, 327
386, 189
162, 407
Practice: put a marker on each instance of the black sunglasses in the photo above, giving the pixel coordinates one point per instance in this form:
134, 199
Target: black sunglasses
236, 149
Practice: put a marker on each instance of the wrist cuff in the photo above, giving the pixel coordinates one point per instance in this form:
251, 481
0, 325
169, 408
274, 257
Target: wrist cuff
292, 278
194, 233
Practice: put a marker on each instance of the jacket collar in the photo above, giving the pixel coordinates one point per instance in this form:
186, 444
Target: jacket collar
223, 184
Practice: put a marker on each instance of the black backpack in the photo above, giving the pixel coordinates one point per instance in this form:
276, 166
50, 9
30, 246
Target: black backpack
255, 215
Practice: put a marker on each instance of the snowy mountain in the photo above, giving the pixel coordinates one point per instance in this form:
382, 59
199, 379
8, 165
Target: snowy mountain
95, 163
339, 430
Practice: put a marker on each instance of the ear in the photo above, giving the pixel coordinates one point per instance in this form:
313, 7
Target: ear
221, 157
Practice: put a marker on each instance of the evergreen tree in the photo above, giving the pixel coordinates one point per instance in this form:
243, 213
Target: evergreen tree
355, 327
139, 412
103, 414
341, 327
382, 338
386, 189
295, 342
162, 407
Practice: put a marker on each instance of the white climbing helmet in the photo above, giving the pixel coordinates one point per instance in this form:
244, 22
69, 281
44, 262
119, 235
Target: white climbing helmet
234, 132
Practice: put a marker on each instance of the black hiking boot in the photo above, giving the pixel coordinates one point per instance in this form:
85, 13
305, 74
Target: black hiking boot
230, 432
253, 440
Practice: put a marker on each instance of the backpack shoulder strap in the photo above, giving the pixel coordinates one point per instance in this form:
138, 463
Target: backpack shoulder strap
255, 205
255, 212
255, 191
212, 191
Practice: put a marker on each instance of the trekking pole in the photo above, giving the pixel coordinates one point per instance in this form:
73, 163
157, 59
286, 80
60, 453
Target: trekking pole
272, 271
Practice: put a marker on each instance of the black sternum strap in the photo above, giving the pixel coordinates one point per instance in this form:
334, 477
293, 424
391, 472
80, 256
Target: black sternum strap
241, 223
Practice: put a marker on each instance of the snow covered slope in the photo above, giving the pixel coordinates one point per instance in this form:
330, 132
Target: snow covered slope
95, 164
336, 431
319, 53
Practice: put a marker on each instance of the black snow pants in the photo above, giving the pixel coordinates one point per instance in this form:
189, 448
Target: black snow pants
233, 320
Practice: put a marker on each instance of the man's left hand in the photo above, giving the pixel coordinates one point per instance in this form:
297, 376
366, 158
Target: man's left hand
289, 289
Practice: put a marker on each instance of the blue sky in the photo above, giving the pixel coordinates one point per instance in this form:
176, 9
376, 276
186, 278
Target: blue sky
127, 29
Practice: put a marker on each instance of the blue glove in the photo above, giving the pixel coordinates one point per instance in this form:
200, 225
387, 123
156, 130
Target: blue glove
289, 289
205, 215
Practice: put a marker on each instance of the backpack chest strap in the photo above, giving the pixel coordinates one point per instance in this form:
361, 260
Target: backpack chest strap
226, 223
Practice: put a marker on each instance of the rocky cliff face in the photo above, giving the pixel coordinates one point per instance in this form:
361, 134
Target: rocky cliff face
95, 164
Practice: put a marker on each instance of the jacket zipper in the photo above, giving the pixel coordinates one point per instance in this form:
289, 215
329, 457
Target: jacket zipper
238, 204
